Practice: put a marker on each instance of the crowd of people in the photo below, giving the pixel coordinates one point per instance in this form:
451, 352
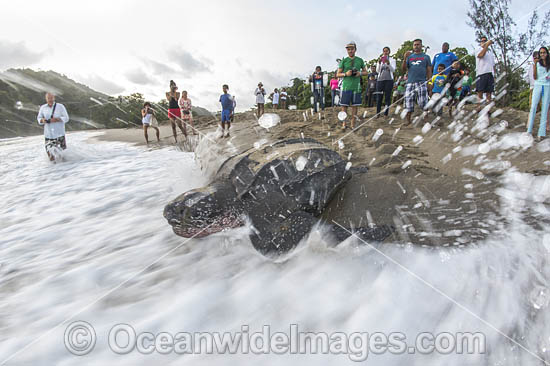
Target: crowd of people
444, 80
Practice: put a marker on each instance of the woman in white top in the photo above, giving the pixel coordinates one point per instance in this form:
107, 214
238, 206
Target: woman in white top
148, 119
384, 86
260, 98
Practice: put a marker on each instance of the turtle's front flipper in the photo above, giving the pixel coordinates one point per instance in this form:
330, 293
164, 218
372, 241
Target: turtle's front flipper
377, 233
278, 233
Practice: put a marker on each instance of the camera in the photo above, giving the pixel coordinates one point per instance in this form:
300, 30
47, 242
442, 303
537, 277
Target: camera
354, 72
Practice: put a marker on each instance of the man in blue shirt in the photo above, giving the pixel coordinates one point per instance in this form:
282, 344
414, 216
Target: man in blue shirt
417, 65
445, 57
227, 109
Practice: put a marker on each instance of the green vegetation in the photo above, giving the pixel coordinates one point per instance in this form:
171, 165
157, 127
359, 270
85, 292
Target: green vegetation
22, 92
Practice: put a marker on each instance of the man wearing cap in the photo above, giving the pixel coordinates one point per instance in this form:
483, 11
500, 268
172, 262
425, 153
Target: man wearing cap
351, 69
53, 117
260, 98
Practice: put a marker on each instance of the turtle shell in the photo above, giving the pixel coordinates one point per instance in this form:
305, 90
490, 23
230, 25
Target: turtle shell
302, 169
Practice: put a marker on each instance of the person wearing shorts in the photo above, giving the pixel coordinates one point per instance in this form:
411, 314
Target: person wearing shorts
284, 96
53, 116
260, 98
351, 69
148, 120
186, 112
485, 64
418, 67
227, 109
174, 113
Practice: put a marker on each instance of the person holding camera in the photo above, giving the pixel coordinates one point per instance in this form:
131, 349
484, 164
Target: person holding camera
541, 92
260, 98
148, 119
485, 64
318, 89
186, 113
384, 85
53, 117
351, 69
418, 67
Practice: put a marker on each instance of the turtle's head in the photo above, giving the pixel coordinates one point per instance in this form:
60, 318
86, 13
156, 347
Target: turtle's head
201, 212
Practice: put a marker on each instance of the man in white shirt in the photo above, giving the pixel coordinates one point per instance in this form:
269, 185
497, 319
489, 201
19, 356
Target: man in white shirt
485, 64
53, 117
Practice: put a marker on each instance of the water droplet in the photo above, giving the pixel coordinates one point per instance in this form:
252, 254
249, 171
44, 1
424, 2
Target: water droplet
342, 115
426, 128
418, 139
364, 114
406, 165
484, 148
403, 114
526, 140
269, 120
397, 150
18, 105
349, 156
379, 132
539, 297
348, 165
341, 144
301, 163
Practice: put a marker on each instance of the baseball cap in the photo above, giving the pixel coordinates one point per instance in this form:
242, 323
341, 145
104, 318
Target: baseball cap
351, 44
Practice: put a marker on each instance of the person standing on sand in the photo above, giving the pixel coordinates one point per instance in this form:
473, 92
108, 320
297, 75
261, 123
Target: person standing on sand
466, 84
334, 91
485, 64
384, 86
53, 117
227, 109
276, 96
174, 112
541, 90
284, 96
417, 65
351, 69
318, 89
148, 120
186, 112
260, 98
444, 58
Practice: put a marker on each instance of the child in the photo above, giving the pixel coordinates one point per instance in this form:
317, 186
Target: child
455, 77
371, 90
227, 109
436, 86
466, 84
438, 80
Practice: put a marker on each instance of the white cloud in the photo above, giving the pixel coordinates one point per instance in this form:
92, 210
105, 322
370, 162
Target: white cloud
16, 54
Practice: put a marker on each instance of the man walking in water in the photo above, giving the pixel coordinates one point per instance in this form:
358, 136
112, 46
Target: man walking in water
53, 117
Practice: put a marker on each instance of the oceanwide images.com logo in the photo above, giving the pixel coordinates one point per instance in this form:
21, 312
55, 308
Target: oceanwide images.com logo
80, 339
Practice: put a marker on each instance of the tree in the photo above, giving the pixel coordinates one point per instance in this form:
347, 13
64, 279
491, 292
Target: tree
399, 56
491, 18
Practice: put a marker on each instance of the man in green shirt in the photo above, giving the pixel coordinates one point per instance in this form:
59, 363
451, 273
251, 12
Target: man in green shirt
351, 69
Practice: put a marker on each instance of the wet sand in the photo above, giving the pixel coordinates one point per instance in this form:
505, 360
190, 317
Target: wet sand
440, 189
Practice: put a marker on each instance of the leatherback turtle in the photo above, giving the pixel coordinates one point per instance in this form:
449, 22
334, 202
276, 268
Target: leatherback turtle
282, 188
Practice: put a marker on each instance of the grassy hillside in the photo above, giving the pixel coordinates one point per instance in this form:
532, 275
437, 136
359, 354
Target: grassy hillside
22, 92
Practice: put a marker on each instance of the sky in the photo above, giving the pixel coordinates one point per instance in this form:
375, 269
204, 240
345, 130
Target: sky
121, 46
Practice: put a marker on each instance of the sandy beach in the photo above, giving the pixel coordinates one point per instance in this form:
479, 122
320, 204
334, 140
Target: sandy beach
438, 189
